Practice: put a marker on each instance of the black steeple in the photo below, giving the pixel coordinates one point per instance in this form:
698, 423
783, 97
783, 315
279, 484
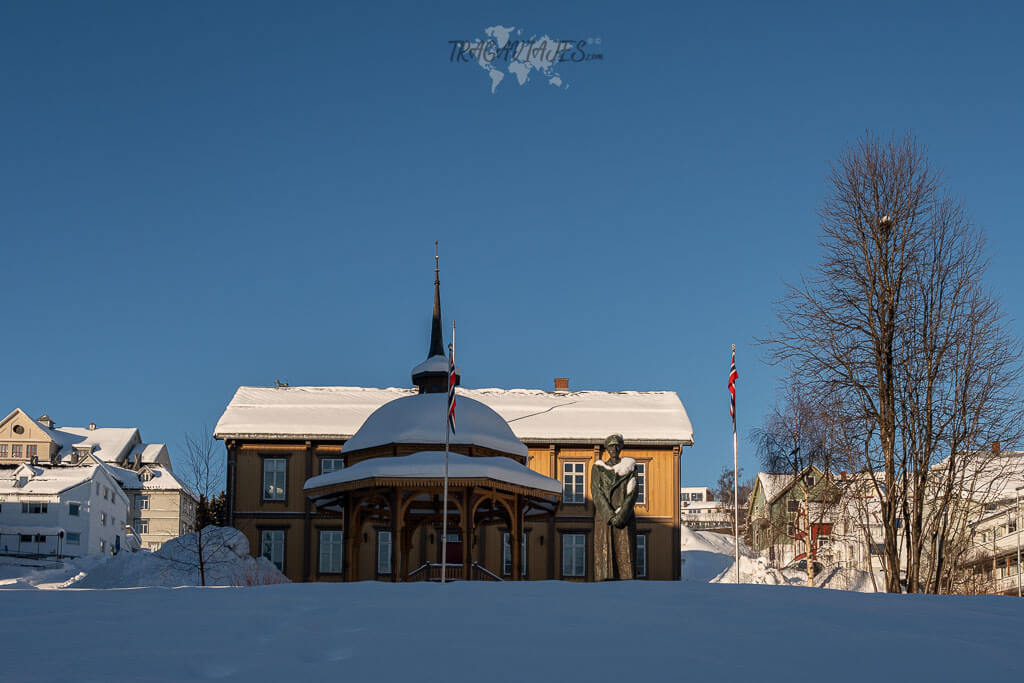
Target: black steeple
436, 335
431, 376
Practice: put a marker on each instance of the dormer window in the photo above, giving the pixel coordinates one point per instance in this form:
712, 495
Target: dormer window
81, 452
145, 476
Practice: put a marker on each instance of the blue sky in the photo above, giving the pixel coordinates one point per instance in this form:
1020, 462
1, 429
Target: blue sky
198, 196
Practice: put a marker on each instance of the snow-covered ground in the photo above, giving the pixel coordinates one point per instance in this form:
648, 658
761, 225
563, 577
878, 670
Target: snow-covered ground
512, 631
227, 560
708, 557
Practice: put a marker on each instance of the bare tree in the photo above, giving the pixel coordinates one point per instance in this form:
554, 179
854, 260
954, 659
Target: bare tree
724, 493
204, 474
896, 326
799, 433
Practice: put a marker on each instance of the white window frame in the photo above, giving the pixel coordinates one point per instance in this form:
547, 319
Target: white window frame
331, 549
506, 556
143, 525
141, 501
31, 450
574, 482
641, 556
40, 508
574, 555
383, 551
275, 469
272, 546
337, 464
641, 483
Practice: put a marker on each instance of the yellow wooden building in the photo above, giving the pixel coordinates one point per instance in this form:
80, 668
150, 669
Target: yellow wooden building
345, 483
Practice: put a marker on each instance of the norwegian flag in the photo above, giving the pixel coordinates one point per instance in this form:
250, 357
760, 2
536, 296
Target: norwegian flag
733, 375
451, 388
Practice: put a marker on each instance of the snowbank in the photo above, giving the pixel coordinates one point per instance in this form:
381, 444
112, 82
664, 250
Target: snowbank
756, 570
226, 557
511, 631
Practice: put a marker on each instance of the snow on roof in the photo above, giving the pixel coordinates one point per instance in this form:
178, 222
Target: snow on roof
420, 418
109, 444
430, 465
773, 484
43, 481
162, 479
655, 417
152, 453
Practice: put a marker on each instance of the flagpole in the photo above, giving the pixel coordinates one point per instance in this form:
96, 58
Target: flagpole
735, 482
447, 440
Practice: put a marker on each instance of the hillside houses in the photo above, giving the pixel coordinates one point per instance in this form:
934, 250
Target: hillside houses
81, 490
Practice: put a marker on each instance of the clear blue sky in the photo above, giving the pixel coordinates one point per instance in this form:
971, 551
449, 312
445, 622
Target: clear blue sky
197, 196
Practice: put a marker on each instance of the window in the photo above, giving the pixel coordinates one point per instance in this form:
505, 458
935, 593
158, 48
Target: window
790, 529
877, 549
16, 450
810, 481
97, 488
686, 497
574, 555
34, 508
697, 497
506, 556
383, 552
145, 476
792, 506
641, 555
3, 450
330, 552
141, 502
40, 538
272, 544
103, 546
31, 450
274, 471
73, 538
142, 526
106, 493
103, 519
18, 429
25, 538
328, 465
641, 483
74, 509
572, 483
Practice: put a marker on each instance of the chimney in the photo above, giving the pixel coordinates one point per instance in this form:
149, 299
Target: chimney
995, 448
92, 426
842, 476
561, 384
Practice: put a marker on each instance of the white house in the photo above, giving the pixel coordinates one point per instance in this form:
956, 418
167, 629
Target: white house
86, 489
62, 510
700, 510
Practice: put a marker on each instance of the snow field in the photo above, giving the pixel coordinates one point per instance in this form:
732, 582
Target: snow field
512, 631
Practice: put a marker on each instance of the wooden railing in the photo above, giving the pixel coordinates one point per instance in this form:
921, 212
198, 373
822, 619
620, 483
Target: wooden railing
432, 572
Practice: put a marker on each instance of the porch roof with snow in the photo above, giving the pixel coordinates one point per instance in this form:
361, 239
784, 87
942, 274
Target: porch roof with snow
427, 468
535, 416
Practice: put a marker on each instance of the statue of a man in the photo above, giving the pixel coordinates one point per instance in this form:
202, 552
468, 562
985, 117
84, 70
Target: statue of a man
613, 487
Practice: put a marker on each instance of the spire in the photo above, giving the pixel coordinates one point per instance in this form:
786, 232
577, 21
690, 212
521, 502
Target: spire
436, 335
431, 376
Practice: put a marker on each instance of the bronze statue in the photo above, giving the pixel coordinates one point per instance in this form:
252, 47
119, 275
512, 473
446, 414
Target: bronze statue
613, 486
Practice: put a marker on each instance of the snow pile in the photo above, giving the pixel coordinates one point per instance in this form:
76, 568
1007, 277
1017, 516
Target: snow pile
757, 570
518, 631
176, 563
753, 570
706, 554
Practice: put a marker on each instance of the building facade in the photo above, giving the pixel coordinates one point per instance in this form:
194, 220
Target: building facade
280, 439
701, 512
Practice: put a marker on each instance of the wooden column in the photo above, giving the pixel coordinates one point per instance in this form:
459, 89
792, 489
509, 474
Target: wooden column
515, 538
396, 534
467, 530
